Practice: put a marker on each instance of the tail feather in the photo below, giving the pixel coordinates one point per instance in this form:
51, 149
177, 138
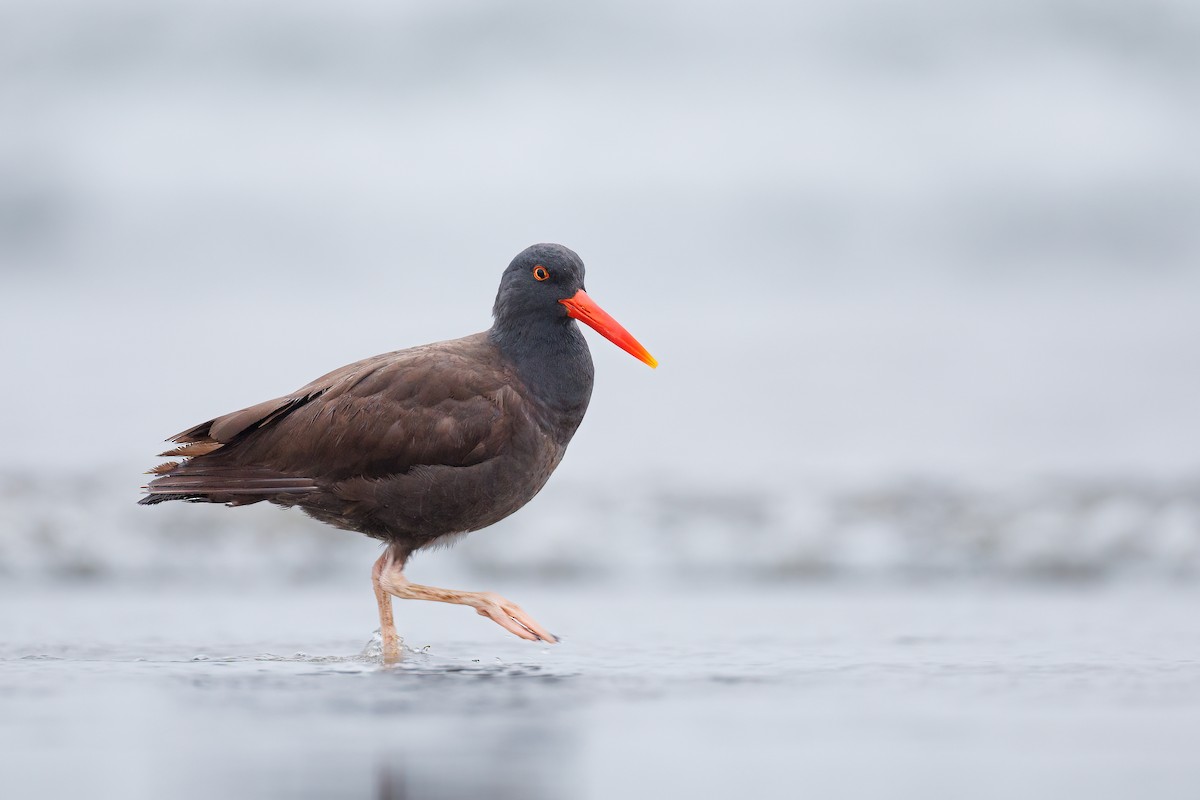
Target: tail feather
191, 449
223, 484
205, 474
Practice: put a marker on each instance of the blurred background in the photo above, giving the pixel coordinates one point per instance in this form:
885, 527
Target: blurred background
916, 487
923, 279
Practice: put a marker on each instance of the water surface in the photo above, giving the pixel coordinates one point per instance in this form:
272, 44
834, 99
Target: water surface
837, 689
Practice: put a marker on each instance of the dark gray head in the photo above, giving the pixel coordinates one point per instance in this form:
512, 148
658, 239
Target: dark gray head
541, 293
536, 283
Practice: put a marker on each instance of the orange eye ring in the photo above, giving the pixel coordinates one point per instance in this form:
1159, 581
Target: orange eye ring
541, 273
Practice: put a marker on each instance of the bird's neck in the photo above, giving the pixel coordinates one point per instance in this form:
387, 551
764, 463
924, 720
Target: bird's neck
552, 359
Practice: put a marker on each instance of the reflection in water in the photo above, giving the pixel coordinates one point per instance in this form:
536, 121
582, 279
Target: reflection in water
434, 728
523, 760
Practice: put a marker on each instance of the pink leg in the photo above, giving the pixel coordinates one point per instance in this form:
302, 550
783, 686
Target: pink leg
387, 626
504, 613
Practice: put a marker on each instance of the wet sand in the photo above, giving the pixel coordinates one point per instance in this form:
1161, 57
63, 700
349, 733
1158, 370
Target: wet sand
838, 690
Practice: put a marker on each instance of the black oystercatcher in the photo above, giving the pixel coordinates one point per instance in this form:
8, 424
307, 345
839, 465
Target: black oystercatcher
418, 445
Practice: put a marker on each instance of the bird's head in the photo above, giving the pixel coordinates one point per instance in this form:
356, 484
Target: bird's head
546, 281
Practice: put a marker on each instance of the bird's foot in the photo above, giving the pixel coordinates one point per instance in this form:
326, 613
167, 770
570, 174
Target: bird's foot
509, 616
388, 649
389, 579
391, 648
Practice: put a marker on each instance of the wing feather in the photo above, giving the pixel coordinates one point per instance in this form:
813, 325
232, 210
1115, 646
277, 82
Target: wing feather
450, 405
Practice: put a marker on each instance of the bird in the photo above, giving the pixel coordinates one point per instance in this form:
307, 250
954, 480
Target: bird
420, 446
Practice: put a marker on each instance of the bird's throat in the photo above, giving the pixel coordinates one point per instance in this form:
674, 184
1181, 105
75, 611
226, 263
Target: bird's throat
552, 359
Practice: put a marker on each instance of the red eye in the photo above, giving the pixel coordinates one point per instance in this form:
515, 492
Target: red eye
541, 273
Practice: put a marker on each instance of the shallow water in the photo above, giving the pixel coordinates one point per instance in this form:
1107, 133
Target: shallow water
837, 689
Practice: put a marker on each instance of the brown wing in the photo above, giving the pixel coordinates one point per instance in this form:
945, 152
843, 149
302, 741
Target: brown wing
448, 404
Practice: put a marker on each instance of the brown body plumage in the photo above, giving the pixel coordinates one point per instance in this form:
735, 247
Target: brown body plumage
396, 446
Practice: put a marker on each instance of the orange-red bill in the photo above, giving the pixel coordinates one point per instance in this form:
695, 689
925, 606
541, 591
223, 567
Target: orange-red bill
584, 309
